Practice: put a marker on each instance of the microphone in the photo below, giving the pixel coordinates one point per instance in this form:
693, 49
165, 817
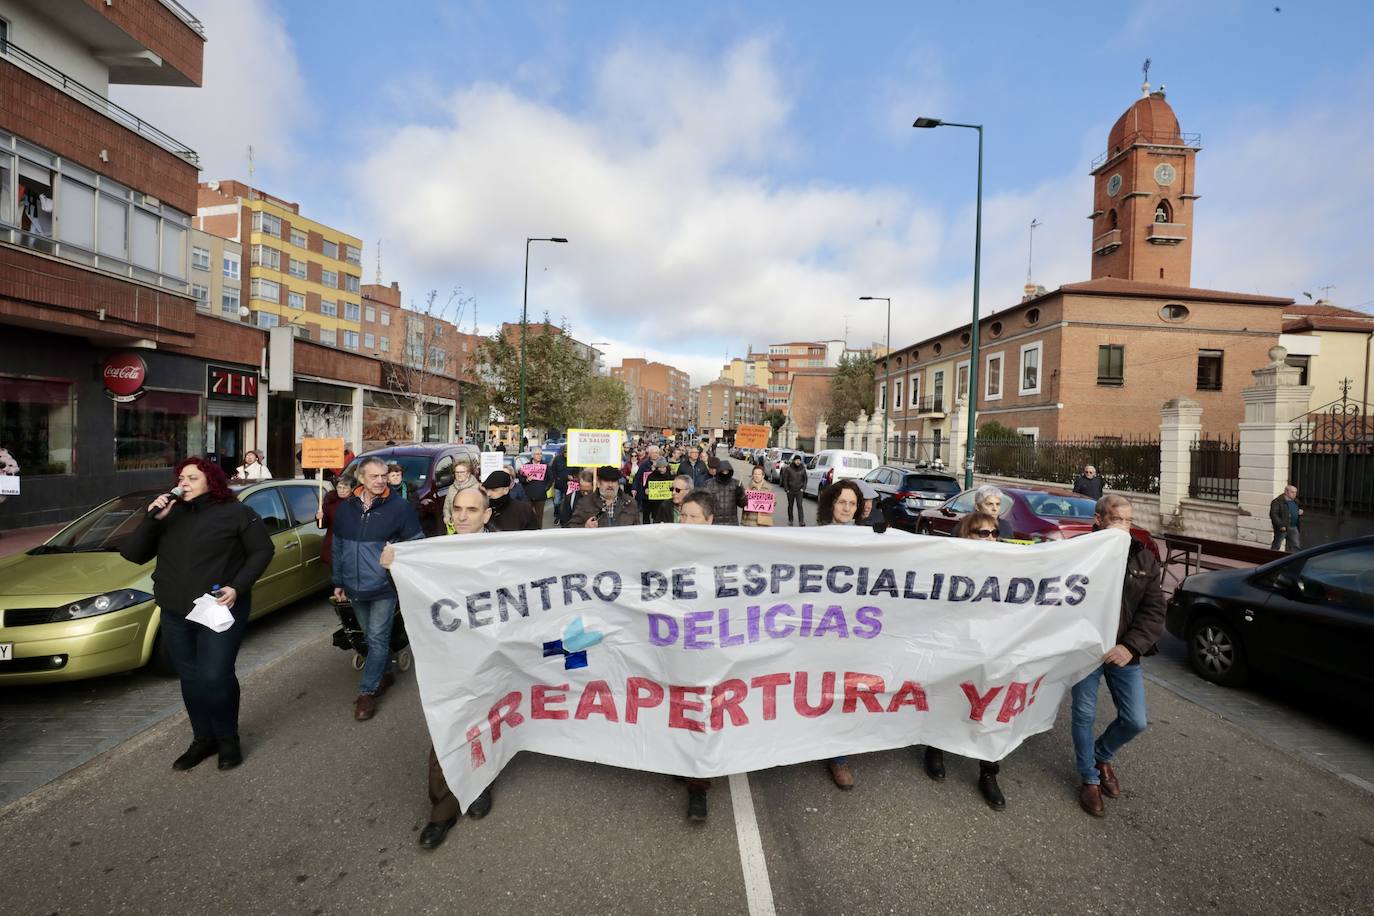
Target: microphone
175, 493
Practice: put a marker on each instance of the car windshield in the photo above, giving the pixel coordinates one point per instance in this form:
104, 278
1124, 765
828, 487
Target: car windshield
105, 528
855, 461
922, 483
1048, 505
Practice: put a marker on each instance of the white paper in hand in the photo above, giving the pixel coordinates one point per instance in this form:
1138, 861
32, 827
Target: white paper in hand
210, 613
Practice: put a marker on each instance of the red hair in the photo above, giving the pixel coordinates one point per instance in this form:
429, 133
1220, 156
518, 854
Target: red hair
215, 479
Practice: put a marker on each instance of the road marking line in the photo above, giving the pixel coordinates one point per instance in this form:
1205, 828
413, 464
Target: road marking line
757, 888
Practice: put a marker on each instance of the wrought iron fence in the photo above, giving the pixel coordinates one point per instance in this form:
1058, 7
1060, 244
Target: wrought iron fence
1215, 469
1123, 464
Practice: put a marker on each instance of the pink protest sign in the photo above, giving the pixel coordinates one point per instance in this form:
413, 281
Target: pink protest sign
574, 485
534, 471
759, 501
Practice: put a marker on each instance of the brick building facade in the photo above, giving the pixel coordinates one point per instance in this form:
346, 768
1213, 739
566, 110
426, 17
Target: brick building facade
660, 394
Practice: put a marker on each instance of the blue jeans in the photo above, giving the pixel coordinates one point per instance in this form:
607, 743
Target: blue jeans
374, 617
204, 660
1127, 686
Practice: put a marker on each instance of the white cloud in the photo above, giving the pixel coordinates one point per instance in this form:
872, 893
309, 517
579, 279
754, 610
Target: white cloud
252, 92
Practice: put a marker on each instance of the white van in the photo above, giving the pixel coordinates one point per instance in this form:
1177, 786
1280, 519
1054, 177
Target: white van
837, 464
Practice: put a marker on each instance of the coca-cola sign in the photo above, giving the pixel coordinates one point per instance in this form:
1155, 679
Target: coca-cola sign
124, 375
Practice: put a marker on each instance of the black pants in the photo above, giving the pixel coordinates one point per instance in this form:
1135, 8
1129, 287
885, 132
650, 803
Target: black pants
795, 499
204, 660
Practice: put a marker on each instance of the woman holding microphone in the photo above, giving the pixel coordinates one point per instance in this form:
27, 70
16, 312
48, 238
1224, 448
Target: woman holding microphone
204, 540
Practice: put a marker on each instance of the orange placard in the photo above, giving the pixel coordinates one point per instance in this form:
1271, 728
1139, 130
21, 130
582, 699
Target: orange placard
750, 435
322, 453
668, 433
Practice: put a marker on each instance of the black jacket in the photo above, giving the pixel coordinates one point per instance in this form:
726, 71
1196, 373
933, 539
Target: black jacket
1089, 487
793, 478
515, 515
1278, 514
698, 471
1142, 602
537, 490
199, 545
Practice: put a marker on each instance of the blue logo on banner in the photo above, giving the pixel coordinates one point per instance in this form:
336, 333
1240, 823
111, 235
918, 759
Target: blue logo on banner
573, 646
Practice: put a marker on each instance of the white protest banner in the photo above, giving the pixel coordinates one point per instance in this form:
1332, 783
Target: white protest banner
702, 651
589, 448
491, 461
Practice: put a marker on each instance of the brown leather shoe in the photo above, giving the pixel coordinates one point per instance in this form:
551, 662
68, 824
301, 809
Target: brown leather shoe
1111, 786
841, 774
364, 708
1090, 800
388, 681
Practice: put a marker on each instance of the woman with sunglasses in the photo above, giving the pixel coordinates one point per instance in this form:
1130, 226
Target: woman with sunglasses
978, 526
669, 510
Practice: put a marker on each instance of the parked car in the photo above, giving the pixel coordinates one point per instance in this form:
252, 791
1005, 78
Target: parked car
73, 608
903, 493
1307, 618
1035, 515
834, 464
429, 469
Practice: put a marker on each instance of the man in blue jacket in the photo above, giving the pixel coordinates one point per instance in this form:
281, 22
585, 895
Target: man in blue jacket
374, 516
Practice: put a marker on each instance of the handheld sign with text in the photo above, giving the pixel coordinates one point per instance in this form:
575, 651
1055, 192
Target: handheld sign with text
759, 501
659, 489
573, 485
9, 486
322, 453
589, 448
491, 461
751, 435
534, 471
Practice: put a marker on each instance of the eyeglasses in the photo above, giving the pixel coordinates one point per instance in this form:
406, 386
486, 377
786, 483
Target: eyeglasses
679, 489
983, 532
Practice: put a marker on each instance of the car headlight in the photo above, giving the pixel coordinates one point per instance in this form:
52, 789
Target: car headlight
96, 605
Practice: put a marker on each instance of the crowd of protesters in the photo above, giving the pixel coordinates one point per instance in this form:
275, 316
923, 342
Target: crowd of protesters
671, 484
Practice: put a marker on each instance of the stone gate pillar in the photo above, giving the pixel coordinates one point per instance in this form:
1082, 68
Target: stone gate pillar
1273, 405
1180, 425
956, 435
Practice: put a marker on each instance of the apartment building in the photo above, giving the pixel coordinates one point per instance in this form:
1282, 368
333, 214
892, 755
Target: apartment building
299, 272
785, 359
217, 275
747, 371
1099, 358
722, 404
660, 394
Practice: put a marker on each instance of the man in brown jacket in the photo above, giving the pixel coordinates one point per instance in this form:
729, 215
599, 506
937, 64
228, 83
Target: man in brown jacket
609, 508
1142, 620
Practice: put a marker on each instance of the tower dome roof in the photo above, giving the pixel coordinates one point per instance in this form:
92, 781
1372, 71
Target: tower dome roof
1149, 120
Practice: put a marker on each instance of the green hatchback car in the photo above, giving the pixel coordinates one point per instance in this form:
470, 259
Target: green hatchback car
74, 608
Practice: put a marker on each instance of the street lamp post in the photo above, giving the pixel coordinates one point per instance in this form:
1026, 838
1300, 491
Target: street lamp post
973, 328
887, 367
524, 320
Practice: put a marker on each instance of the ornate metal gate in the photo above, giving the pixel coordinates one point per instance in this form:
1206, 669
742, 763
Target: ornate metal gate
1331, 462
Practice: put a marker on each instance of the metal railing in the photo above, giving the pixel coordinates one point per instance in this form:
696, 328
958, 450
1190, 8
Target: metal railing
1214, 466
89, 97
930, 404
1193, 141
185, 16
1123, 464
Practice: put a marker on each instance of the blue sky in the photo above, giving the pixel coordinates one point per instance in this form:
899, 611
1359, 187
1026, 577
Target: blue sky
733, 174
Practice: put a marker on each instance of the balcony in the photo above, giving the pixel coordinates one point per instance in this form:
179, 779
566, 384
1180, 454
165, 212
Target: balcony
94, 100
931, 405
1148, 138
1166, 233
1107, 242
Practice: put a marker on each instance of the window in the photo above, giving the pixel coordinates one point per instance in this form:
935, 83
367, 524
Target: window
296, 268
369, 313
36, 425
351, 339
201, 294
385, 344
351, 311
296, 300
231, 264
937, 391
329, 308
386, 319
1030, 369
267, 320
1163, 212
143, 247
369, 341
157, 430
1174, 312
897, 395
268, 290
1339, 577
266, 256
299, 239
995, 329
914, 391
330, 249
112, 228
882, 396
302, 501
1111, 365
438, 329
961, 380
330, 278
1033, 316
353, 255
1209, 370
1301, 363
351, 283
266, 223
267, 504
200, 258
437, 359
329, 336
229, 302
992, 377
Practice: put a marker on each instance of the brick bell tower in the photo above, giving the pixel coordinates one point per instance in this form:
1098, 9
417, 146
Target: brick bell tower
1143, 196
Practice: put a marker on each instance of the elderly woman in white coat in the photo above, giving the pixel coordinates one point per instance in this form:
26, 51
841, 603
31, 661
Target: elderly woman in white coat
253, 467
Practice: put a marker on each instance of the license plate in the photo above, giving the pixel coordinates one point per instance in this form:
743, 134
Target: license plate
6, 651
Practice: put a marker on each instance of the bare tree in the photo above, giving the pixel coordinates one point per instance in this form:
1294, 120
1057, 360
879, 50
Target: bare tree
426, 366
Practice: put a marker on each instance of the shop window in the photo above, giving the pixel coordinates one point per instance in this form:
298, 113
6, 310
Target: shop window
35, 426
1209, 370
157, 430
1111, 365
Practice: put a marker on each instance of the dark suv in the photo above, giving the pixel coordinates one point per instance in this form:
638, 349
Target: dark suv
428, 469
903, 493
